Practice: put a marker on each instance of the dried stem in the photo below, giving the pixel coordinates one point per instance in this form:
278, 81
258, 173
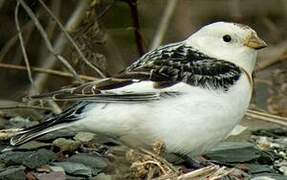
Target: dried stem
22, 44
136, 25
267, 117
164, 22
47, 41
61, 41
25, 107
82, 56
160, 159
47, 71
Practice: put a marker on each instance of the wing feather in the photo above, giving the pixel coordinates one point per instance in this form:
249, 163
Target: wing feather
164, 66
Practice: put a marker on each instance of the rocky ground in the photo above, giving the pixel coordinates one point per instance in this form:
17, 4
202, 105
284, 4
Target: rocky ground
67, 155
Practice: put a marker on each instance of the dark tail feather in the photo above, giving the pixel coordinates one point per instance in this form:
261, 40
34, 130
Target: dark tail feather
65, 119
35, 132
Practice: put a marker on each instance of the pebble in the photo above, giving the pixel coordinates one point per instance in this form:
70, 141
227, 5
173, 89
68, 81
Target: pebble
66, 144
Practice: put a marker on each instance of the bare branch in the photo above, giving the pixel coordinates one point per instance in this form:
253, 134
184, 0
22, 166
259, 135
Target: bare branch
163, 25
267, 117
24, 107
47, 71
61, 41
47, 41
82, 56
136, 25
23, 48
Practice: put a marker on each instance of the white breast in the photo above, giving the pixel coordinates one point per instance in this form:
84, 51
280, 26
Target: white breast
193, 122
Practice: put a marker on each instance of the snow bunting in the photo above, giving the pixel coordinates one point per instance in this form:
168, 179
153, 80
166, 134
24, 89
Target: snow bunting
189, 94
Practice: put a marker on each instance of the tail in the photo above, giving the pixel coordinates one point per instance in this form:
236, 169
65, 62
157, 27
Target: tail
34, 132
63, 120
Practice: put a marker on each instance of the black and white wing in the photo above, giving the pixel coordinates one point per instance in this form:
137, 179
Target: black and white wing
165, 66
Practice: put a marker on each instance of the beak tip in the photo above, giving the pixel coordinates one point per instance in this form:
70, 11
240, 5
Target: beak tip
255, 42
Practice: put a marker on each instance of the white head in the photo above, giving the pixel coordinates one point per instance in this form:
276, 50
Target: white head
232, 42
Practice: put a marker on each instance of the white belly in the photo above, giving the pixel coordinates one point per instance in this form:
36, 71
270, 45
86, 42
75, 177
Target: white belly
193, 122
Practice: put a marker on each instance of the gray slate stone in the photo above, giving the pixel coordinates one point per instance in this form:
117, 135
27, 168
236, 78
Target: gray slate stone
31, 159
13, 173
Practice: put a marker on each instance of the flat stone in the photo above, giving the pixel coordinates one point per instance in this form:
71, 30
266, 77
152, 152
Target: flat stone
31, 159
103, 176
84, 137
75, 169
13, 173
66, 144
63, 133
234, 152
32, 145
51, 175
94, 161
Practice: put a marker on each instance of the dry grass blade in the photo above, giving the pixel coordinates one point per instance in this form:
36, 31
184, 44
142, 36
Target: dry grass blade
160, 159
47, 41
198, 173
136, 25
25, 107
164, 22
22, 44
82, 56
47, 71
267, 117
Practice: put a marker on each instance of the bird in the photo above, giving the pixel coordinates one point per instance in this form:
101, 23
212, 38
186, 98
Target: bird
188, 95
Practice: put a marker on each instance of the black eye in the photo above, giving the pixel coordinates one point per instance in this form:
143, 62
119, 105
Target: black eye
226, 38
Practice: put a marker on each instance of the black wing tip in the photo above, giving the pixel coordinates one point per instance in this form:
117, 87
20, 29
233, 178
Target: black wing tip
14, 142
17, 140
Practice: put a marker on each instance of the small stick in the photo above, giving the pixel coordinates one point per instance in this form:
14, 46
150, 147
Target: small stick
171, 167
198, 172
25, 107
23, 47
47, 41
101, 74
47, 71
267, 117
136, 25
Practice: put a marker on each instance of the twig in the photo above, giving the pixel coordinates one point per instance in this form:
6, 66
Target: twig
196, 174
164, 22
100, 73
9, 44
105, 11
220, 173
25, 107
23, 48
267, 117
151, 162
50, 27
158, 158
48, 71
136, 25
199, 172
61, 41
47, 41
7, 47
